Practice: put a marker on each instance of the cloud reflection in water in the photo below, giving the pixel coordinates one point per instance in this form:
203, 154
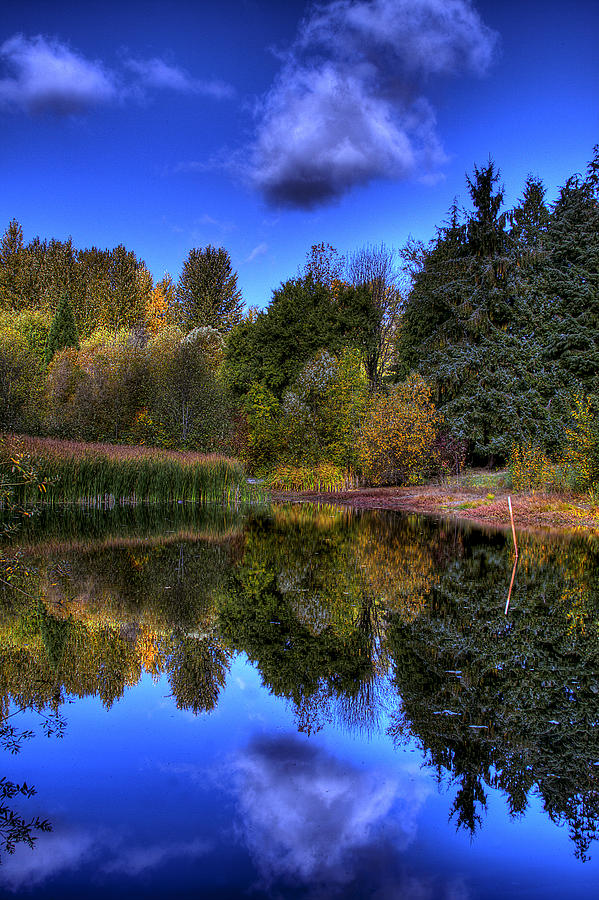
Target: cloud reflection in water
309, 818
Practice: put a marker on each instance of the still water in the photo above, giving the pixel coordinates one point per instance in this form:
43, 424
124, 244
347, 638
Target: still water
301, 702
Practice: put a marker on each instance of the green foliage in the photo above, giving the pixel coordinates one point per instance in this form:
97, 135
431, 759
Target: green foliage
63, 331
20, 381
576, 466
470, 326
530, 469
580, 459
304, 317
34, 325
207, 291
323, 477
12, 267
187, 396
166, 390
265, 434
323, 408
376, 269
318, 419
570, 280
506, 703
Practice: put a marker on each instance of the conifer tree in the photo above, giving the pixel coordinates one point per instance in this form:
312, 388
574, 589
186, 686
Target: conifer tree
207, 290
571, 282
466, 327
63, 331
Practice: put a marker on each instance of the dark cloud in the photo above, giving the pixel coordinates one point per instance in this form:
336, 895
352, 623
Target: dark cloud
348, 105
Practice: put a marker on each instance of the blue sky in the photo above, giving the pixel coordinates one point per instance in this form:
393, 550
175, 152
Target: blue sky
266, 127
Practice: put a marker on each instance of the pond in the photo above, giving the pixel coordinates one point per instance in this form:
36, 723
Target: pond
302, 702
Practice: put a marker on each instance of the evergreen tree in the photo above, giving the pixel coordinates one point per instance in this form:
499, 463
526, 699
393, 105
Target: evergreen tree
530, 219
304, 316
207, 290
469, 329
63, 331
571, 282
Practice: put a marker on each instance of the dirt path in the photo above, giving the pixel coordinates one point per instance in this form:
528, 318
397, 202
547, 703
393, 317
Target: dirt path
531, 511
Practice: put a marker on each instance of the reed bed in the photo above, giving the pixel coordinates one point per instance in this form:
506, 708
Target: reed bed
101, 474
326, 478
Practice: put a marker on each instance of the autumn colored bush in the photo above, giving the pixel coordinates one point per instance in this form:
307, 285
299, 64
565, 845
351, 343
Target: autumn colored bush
396, 443
579, 464
530, 468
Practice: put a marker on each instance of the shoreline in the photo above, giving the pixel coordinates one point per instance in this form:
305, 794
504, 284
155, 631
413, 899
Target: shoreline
535, 510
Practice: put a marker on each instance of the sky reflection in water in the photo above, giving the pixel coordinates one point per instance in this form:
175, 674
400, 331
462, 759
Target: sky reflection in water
234, 723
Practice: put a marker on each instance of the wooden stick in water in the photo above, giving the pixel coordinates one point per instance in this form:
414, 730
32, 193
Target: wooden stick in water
509, 503
509, 594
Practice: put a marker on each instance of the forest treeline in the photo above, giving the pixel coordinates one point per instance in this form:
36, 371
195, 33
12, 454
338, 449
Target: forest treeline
388, 364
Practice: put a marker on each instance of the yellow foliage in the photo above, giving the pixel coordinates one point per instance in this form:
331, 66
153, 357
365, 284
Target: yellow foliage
400, 570
397, 435
578, 459
160, 303
529, 467
147, 431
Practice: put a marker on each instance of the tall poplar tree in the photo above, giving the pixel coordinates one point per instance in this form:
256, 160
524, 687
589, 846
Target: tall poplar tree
12, 259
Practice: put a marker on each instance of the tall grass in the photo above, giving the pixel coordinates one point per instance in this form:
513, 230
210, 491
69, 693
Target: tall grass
325, 477
108, 473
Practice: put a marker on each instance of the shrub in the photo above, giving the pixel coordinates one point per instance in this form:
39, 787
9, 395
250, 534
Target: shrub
579, 462
398, 434
20, 381
264, 428
323, 408
530, 468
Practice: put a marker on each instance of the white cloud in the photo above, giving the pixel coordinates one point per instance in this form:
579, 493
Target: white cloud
142, 859
308, 817
44, 75
53, 853
69, 850
348, 105
156, 73
47, 76
260, 250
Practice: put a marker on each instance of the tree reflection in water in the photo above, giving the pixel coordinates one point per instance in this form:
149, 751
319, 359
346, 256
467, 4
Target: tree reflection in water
365, 621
